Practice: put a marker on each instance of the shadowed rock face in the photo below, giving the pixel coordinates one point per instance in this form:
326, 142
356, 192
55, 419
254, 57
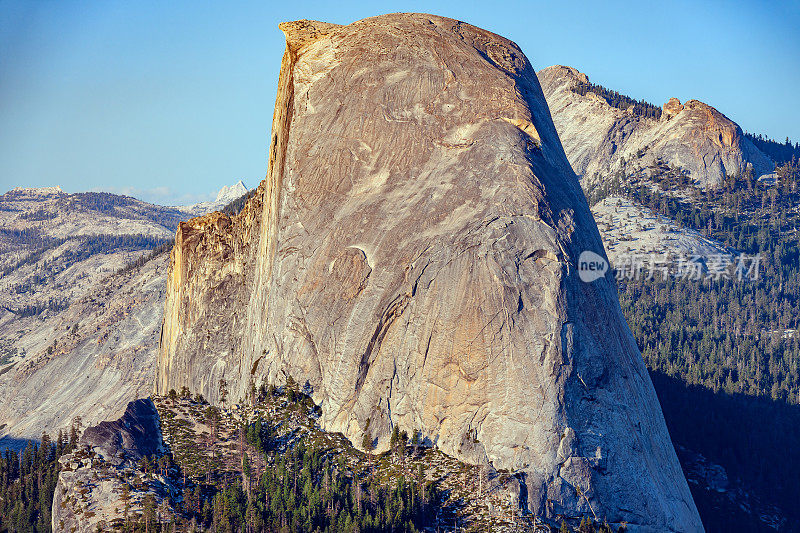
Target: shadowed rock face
600, 140
411, 258
124, 442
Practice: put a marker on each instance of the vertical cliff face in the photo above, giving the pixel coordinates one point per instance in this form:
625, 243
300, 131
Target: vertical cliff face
411, 259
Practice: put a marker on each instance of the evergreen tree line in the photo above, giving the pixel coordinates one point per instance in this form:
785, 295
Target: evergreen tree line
165, 246
305, 488
52, 304
38, 215
89, 245
102, 202
28, 481
726, 335
115, 204
28, 236
620, 101
306, 491
780, 153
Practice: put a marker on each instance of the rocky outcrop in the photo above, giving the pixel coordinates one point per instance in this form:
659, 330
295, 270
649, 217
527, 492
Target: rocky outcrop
671, 108
601, 140
635, 237
93, 478
411, 260
124, 442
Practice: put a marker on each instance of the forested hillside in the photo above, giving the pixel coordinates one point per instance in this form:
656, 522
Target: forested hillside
737, 336
28, 480
267, 466
725, 353
781, 153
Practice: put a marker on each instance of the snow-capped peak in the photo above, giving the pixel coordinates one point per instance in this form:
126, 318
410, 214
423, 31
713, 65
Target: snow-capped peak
227, 194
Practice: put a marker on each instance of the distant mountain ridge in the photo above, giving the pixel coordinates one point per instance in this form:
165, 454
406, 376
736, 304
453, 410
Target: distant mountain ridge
602, 141
81, 299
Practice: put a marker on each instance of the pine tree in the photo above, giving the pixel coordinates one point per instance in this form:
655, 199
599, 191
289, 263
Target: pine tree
367, 442
223, 390
149, 510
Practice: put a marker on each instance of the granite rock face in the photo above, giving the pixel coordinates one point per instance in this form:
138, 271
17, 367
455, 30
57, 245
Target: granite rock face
601, 140
103, 355
124, 442
411, 260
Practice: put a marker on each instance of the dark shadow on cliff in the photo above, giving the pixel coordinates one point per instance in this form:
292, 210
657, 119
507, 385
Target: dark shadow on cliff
757, 442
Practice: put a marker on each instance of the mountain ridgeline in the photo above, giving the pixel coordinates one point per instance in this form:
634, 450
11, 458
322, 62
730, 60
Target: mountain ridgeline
82, 280
605, 133
620, 101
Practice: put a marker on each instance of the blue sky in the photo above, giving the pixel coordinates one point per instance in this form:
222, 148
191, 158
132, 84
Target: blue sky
168, 101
